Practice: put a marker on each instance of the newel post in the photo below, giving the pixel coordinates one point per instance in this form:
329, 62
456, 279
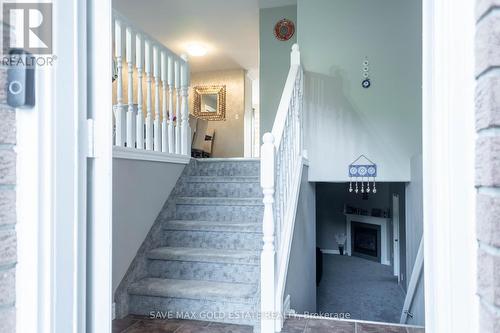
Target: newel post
295, 55
267, 258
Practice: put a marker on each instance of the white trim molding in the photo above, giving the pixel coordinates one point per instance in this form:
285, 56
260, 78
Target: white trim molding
450, 248
329, 251
149, 155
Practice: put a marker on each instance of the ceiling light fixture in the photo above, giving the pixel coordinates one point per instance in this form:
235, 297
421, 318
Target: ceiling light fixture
196, 50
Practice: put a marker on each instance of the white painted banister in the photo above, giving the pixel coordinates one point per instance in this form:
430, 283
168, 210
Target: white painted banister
185, 130
118, 107
171, 145
156, 74
281, 173
177, 79
165, 125
130, 111
149, 116
164, 143
267, 257
139, 123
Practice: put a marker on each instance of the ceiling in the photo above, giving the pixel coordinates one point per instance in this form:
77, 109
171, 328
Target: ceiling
229, 29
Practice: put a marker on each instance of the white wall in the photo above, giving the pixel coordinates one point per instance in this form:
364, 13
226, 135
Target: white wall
140, 188
274, 62
344, 119
414, 232
301, 278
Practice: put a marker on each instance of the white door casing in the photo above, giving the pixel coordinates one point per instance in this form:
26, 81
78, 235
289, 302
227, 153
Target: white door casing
395, 234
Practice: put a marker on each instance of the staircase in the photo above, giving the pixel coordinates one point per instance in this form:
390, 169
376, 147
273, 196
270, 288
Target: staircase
207, 266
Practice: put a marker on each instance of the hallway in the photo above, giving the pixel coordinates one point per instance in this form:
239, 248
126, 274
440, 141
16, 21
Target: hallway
365, 289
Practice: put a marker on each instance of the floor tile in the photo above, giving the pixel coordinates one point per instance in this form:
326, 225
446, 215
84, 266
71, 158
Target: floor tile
119, 325
329, 326
228, 328
294, 325
154, 326
376, 328
415, 330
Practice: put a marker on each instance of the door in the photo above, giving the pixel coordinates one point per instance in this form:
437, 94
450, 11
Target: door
395, 234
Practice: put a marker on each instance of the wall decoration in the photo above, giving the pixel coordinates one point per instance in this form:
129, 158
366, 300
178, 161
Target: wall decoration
209, 102
366, 83
284, 29
362, 169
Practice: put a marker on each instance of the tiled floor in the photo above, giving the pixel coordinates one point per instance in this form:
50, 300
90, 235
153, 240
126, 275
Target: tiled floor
136, 324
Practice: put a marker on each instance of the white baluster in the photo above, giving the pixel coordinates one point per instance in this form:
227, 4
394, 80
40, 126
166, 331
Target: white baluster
267, 257
177, 107
118, 108
149, 116
130, 112
157, 130
164, 144
185, 130
171, 142
139, 130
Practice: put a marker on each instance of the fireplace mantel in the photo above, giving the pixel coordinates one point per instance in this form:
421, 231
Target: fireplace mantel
384, 224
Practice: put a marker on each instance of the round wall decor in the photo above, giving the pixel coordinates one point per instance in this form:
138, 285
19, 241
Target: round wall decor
284, 29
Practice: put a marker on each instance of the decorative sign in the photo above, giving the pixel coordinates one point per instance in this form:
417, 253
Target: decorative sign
284, 29
361, 172
366, 83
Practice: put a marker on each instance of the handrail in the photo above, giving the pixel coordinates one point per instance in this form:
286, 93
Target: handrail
412, 285
165, 75
119, 16
281, 172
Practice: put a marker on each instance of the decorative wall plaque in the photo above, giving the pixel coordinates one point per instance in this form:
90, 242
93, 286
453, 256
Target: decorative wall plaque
284, 29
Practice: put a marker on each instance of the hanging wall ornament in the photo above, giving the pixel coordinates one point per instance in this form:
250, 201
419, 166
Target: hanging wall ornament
360, 169
366, 83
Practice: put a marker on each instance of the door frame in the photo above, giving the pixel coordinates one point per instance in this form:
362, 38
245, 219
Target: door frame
395, 236
448, 170
451, 303
63, 277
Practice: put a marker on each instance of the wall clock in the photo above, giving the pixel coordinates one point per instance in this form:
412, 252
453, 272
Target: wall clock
284, 29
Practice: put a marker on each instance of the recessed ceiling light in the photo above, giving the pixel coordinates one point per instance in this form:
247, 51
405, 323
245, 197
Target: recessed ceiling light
196, 50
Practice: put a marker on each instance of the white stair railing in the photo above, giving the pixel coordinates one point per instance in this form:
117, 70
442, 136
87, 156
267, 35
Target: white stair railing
165, 126
281, 172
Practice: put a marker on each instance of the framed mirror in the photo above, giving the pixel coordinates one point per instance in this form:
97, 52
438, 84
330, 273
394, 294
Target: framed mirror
210, 102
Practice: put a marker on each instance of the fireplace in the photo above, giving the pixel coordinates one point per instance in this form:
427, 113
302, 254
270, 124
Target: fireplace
365, 241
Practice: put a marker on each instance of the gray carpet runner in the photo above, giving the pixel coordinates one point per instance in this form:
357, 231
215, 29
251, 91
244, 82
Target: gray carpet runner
207, 266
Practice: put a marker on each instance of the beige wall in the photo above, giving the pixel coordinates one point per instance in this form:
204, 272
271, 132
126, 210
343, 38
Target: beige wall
228, 133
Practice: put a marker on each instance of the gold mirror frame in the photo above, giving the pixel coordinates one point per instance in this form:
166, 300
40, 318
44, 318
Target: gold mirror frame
199, 91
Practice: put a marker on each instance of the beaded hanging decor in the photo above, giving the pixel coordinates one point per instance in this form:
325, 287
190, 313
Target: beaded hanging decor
362, 170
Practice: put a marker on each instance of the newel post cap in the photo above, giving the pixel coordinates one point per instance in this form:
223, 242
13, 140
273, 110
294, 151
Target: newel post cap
268, 138
295, 55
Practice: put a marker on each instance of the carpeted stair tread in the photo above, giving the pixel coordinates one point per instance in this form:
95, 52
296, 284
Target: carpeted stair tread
205, 255
194, 289
222, 179
219, 201
213, 226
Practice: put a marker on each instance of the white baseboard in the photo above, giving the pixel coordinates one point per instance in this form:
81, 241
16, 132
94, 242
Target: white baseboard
329, 251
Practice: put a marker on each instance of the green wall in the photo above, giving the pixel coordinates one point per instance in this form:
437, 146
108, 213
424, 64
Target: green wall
274, 62
345, 120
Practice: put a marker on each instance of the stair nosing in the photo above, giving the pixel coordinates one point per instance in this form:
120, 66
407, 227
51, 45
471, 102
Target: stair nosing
253, 257
218, 226
222, 179
136, 289
224, 201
